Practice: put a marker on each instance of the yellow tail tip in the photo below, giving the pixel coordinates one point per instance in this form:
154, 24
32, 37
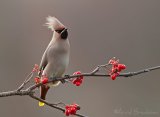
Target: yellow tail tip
41, 104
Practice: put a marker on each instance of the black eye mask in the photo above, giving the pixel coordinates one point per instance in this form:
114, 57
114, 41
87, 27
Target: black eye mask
59, 31
63, 32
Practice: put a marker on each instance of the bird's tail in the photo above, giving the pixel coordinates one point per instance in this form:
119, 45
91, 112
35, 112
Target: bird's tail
43, 91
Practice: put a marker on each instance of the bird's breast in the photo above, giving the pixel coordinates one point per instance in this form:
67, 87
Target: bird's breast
58, 60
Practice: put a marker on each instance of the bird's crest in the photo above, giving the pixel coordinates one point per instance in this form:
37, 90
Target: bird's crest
53, 23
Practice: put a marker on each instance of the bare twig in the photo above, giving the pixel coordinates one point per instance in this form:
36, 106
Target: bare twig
98, 68
139, 72
27, 79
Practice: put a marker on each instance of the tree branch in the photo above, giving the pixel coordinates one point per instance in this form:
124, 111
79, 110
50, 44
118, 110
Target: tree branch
53, 105
139, 72
15, 92
30, 91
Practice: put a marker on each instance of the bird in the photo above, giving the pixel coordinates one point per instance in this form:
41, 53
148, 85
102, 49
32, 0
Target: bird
55, 59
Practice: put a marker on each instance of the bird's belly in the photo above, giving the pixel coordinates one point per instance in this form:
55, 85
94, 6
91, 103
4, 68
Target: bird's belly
58, 71
57, 67
55, 70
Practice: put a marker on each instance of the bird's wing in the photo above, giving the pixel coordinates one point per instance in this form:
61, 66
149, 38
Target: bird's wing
43, 63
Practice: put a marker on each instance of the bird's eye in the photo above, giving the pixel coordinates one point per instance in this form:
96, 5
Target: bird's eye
59, 31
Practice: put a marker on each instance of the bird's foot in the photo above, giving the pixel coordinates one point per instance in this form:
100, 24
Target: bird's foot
67, 76
65, 80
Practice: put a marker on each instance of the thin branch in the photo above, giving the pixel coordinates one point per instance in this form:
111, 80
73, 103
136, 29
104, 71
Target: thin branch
47, 103
95, 74
139, 72
53, 105
98, 68
27, 79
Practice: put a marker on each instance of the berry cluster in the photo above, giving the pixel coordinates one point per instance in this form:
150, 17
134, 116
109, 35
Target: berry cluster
44, 80
37, 80
71, 109
77, 81
116, 68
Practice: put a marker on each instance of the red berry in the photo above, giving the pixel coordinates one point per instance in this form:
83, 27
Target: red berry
67, 106
116, 68
113, 70
44, 80
119, 69
115, 65
121, 66
36, 80
76, 73
78, 80
113, 76
78, 83
76, 106
81, 77
74, 81
73, 110
67, 112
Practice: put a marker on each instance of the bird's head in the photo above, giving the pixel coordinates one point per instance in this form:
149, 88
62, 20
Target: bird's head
63, 33
55, 25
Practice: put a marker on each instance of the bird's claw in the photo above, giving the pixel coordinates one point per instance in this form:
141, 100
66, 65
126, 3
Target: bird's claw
67, 76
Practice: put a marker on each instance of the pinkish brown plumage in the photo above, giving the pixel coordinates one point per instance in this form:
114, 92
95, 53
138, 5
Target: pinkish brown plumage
56, 56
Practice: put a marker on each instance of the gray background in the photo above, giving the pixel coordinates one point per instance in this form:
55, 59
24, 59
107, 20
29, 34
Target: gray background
98, 30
